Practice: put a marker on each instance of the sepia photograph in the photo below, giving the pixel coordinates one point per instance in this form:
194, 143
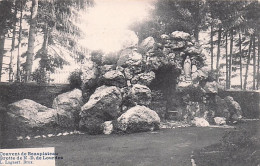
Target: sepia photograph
130, 82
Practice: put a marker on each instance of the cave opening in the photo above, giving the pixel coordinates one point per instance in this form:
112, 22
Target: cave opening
166, 79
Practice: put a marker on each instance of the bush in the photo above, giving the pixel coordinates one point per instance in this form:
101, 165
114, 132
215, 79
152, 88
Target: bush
40, 76
195, 93
75, 79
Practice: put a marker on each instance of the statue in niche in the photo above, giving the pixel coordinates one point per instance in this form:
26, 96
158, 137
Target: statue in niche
187, 68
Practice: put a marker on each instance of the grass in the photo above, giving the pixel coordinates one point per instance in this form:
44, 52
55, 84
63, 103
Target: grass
239, 147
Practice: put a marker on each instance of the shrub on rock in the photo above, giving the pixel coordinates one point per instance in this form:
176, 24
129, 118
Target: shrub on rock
234, 108
211, 87
138, 119
221, 109
68, 106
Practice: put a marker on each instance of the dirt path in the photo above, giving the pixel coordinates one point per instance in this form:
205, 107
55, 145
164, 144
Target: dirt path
169, 147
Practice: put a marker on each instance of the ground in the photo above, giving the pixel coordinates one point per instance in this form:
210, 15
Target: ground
169, 147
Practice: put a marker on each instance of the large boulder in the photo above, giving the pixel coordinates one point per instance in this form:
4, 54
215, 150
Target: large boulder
132, 61
234, 108
89, 74
130, 40
68, 106
114, 78
220, 120
26, 115
148, 44
200, 122
102, 106
129, 57
143, 78
105, 68
140, 94
137, 119
180, 35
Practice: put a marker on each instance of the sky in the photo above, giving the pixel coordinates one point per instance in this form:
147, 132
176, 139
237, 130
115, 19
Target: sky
106, 24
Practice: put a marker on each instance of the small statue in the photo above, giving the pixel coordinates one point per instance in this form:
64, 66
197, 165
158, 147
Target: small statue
187, 68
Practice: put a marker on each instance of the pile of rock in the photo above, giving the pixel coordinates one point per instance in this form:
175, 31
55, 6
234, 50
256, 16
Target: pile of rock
101, 114
115, 93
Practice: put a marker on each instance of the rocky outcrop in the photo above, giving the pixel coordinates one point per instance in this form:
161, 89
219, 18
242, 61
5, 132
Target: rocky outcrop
143, 78
180, 35
114, 78
140, 95
148, 44
102, 106
25, 115
137, 119
68, 106
90, 74
233, 108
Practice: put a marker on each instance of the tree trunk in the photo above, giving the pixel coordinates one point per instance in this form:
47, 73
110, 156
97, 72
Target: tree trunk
230, 58
254, 63
258, 59
31, 40
2, 47
218, 51
227, 74
211, 45
13, 44
240, 59
18, 63
248, 63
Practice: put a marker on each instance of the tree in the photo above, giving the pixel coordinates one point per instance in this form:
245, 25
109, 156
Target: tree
211, 45
248, 63
227, 62
230, 58
18, 63
5, 23
31, 40
240, 61
254, 63
218, 51
13, 42
173, 15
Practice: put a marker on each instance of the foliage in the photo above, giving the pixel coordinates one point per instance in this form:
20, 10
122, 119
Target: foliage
75, 80
96, 56
40, 76
172, 15
194, 93
48, 61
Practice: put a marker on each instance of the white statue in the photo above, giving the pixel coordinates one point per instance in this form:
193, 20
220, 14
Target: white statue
187, 68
